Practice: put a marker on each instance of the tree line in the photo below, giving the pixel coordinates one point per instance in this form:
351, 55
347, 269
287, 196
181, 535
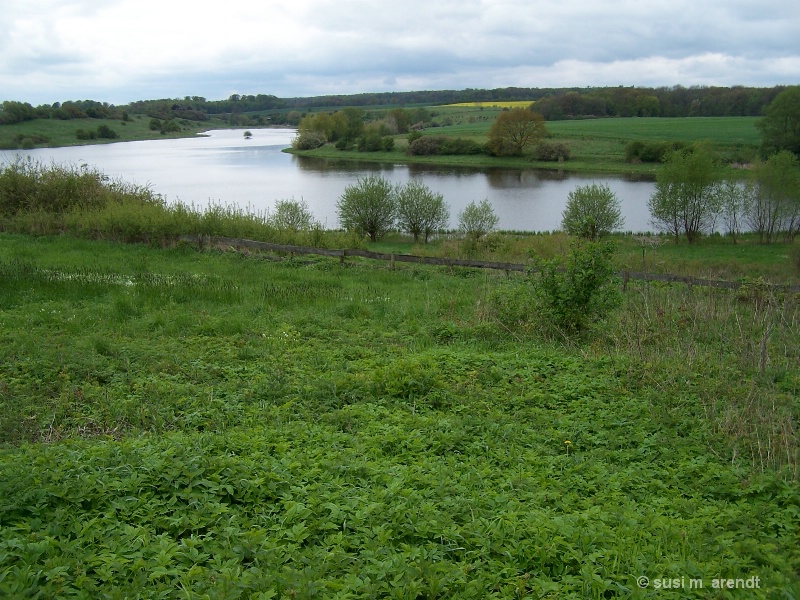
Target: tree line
676, 101
552, 103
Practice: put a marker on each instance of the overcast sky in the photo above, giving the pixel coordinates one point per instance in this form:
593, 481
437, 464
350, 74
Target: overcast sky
118, 51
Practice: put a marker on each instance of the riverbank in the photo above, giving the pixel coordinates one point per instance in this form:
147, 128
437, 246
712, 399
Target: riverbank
596, 145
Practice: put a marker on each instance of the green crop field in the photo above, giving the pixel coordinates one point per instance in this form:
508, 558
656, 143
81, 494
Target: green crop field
718, 130
184, 424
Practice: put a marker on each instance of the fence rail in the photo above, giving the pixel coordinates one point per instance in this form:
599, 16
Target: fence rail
207, 241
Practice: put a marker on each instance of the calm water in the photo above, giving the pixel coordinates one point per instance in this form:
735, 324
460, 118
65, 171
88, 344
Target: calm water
223, 167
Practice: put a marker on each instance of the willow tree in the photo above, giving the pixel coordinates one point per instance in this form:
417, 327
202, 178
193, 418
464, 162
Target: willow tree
775, 206
420, 211
368, 207
592, 211
685, 200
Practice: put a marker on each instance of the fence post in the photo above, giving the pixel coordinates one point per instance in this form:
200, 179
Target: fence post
625, 277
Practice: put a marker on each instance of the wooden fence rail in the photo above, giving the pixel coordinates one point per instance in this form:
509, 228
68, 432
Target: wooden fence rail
207, 241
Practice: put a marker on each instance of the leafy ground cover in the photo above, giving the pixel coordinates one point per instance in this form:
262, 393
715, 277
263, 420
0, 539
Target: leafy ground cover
205, 425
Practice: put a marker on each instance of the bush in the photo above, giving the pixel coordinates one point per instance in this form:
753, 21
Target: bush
427, 145
577, 294
476, 220
105, 132
85, 134
368, 207
430, 145
420, 211
551, 152
291, 215
372, 142
592, 211
169, 126
30, 186
461, 146
17, 186
638, 151
309, 140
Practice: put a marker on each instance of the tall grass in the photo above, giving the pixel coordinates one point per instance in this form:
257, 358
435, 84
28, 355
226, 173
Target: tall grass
49, 199
733, 353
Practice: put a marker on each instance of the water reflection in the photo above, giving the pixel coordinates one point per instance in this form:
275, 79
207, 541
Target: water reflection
224, 167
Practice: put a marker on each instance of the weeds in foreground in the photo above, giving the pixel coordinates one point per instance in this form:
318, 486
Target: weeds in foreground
221, 425
736, 352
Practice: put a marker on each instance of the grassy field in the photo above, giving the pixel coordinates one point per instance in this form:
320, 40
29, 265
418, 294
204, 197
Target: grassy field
55, 132
713, 257
596, 145
179, 424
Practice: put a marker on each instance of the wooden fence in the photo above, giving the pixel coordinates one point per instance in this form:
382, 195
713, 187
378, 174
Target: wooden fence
207, 241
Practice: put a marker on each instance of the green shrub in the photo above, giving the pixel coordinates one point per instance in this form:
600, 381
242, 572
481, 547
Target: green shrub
430, 145
105, 132
551, 152
638, 151
309, 140
476, 220
463, 146
413, 137
17, 186
575, 295
427, 145
85, 134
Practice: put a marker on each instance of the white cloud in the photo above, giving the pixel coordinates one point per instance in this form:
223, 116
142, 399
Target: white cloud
123, 50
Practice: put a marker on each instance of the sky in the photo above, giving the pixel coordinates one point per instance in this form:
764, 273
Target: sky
119, 51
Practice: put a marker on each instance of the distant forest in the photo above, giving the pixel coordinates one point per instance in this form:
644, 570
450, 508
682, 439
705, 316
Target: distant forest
553, 103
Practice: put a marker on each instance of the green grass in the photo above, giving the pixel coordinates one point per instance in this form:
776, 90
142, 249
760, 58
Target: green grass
713, 257
596, 145
235, 426
56, 133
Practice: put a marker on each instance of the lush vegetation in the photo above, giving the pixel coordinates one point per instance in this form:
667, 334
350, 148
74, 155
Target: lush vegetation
230, 426
592, 212
72, 122
238, 425
458, 136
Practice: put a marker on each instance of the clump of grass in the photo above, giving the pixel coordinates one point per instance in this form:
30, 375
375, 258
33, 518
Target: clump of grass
50, 199
735, 353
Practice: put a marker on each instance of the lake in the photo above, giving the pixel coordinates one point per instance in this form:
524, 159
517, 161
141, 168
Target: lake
224, 167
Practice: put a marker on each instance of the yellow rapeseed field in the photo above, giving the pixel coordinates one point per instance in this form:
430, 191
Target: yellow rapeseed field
500, 104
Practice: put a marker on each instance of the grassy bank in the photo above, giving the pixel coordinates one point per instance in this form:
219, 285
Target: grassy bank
597, 145
250, 426
55, 132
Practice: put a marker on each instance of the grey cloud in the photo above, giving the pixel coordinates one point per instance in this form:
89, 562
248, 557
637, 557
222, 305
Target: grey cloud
357, 45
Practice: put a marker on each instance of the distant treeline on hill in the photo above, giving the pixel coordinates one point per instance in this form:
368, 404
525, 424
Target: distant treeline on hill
553, 103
